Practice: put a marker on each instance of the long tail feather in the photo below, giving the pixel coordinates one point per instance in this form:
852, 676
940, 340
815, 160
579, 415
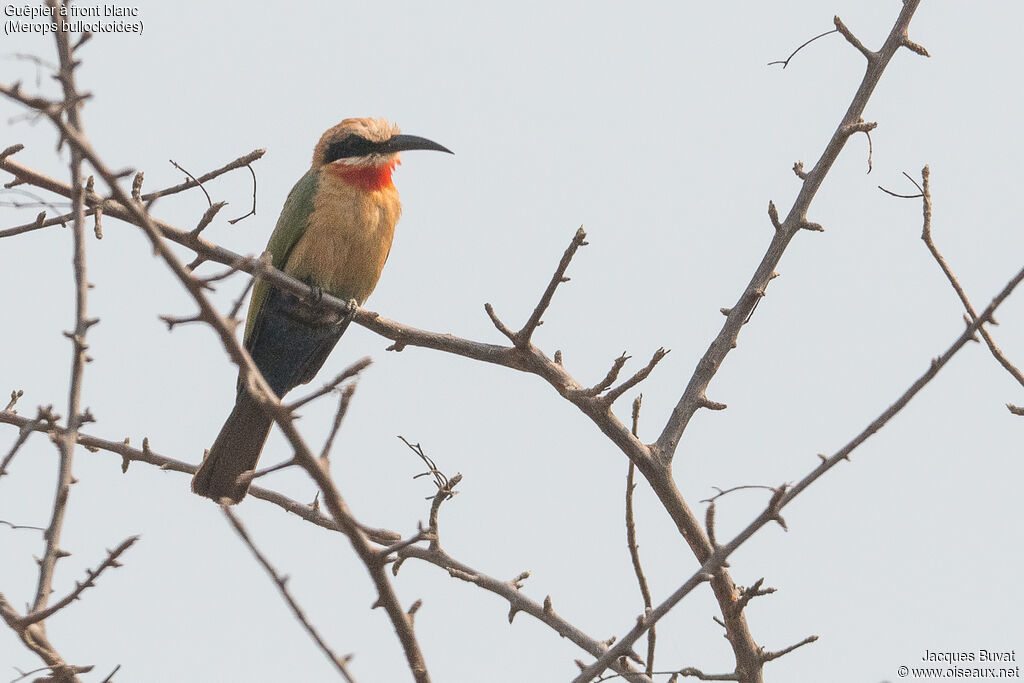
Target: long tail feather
236, 450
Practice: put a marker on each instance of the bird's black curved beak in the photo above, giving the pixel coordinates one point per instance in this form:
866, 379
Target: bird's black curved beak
402, 143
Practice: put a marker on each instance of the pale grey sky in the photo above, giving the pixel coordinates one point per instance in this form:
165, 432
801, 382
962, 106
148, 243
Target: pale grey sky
659, 127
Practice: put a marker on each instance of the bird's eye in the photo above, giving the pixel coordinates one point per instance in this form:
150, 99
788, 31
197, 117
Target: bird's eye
348, 147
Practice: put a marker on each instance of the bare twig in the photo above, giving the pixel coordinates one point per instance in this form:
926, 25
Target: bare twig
66, 445
785, 62
638, 377
522, 338
339, 415
700, 675
752, 592
23, 435
15, 395
722, 492
440, 480
853, 40
193, 179
21, 526
634, 550
230, 166
207, 217
769, 656
510, 591
340, 663
924, 193
926, 236
90, 580
351, 371
252, 211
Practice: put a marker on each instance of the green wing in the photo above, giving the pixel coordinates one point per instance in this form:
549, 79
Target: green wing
290, 227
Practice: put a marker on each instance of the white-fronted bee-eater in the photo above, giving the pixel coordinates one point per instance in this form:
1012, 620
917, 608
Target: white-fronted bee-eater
334, 234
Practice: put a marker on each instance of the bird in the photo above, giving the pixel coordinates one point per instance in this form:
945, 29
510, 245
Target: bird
334, 234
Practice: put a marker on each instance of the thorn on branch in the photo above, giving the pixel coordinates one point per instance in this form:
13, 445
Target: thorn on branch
709, 524
773, 214
171, 320
82, 40
773, 505
137, 186
914, 47
413, 609
705, 402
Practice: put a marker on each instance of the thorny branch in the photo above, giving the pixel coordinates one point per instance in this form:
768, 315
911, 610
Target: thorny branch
340, 663
251, 378
66, 444
694, 395
785, 494
90, 580
926, 236
654, 460
509, 590
634, 550
148, 456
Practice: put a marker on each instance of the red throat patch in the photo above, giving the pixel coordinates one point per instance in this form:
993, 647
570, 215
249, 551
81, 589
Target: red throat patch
366, 178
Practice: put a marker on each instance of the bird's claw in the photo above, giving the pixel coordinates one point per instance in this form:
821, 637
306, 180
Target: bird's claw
316, 294
353, 306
